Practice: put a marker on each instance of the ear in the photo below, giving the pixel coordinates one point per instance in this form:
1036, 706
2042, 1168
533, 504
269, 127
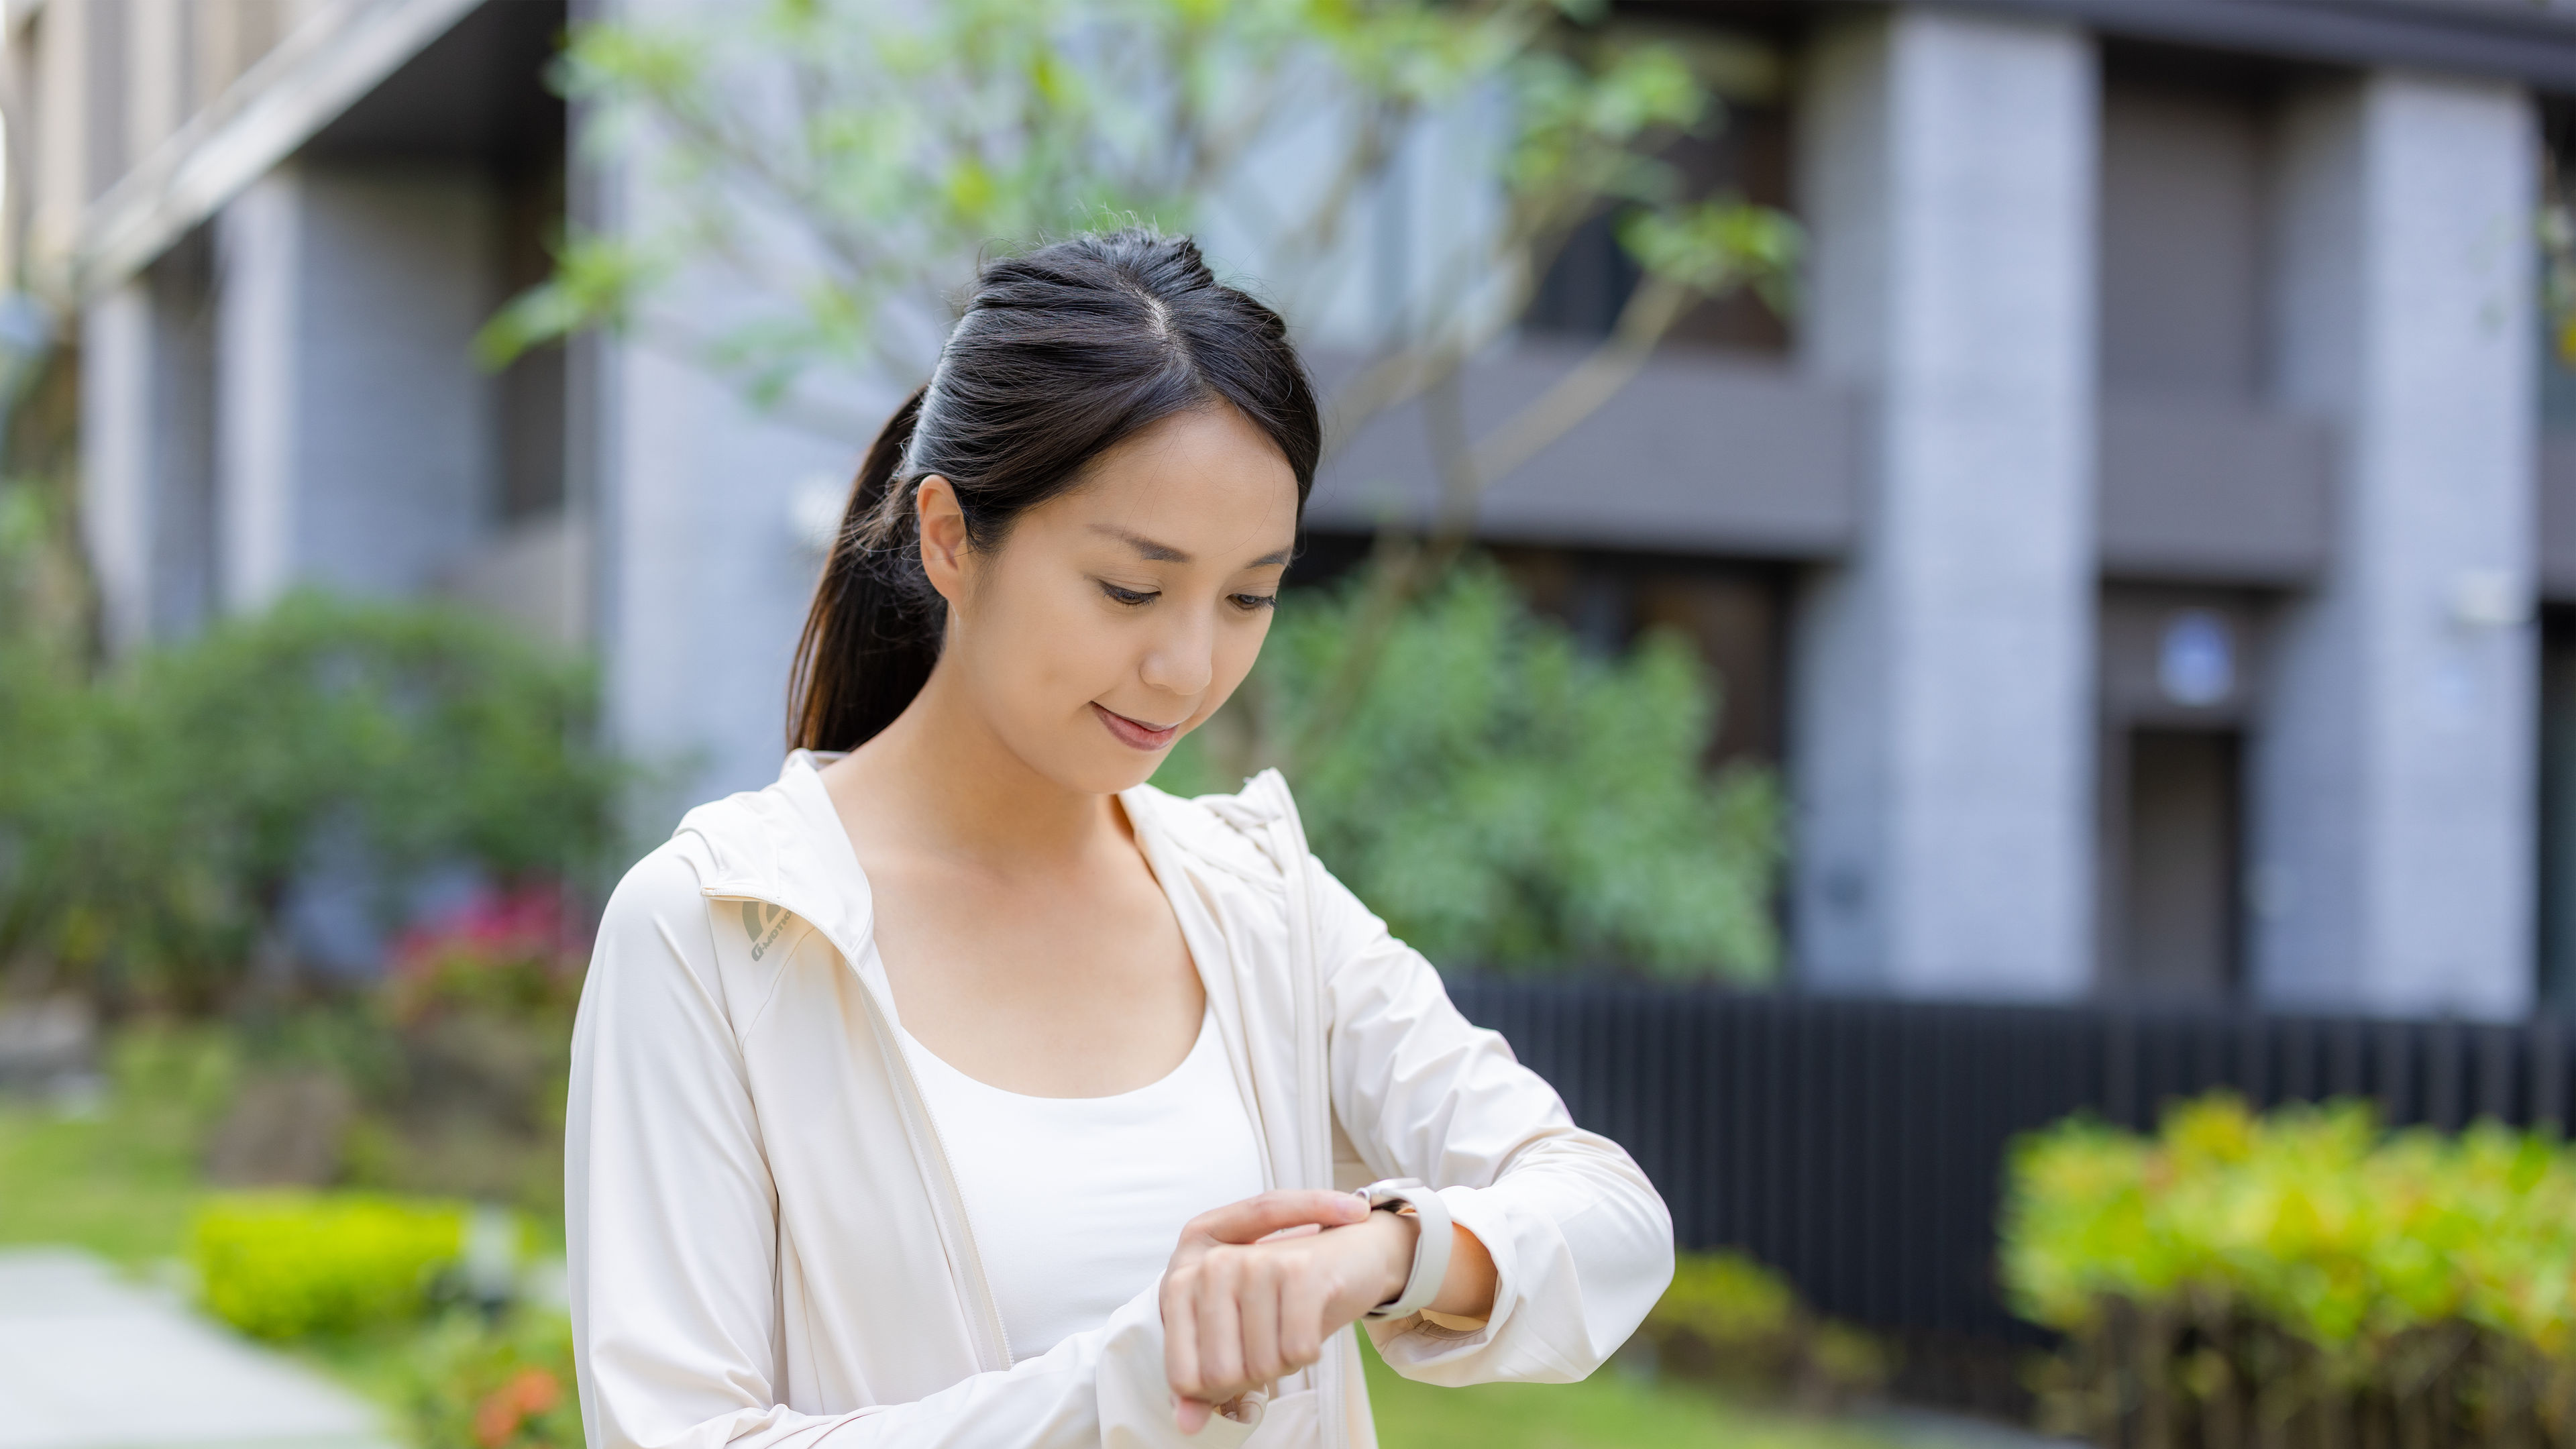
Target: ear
942, 528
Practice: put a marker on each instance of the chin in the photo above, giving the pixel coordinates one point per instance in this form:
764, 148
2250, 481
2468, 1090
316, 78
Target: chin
1105, 772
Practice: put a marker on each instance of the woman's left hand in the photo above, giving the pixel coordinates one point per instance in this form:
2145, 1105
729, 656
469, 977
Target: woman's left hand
1242, 1307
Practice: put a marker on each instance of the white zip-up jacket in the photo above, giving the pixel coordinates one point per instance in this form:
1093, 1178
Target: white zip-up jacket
768, 1249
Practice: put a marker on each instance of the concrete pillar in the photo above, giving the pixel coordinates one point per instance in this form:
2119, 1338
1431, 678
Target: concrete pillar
355, 435
61, 142
2393, 797
157, 79
146, 459
116, 479
1942, 724
705, 574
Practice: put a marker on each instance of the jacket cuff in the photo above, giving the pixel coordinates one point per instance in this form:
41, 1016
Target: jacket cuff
1433, 1353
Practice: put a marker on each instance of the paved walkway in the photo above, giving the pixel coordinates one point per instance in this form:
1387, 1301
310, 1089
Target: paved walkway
89, 1361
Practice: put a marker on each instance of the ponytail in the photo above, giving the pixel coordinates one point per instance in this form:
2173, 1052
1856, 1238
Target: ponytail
873, 632
1062, 354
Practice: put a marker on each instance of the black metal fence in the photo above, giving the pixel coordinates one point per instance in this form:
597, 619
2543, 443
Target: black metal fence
1857, 1145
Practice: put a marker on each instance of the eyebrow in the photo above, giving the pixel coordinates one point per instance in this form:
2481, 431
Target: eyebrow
1165, 553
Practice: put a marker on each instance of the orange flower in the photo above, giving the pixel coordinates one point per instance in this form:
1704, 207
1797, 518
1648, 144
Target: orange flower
498, 1417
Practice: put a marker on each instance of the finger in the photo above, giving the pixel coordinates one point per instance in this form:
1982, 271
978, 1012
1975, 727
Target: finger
1258, 1304
1220, 1321
1181, 1335
1303, 1302
1255, 1218
1191, 1415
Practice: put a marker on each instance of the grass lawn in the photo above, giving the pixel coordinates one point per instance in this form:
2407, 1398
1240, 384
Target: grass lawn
1606, 1411
120, 1183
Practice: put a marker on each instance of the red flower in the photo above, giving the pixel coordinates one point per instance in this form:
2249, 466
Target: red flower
513, 948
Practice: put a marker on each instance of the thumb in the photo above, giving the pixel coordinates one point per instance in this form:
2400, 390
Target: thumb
1255, 1218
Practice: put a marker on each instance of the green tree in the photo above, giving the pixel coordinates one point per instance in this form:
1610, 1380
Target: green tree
1507, 801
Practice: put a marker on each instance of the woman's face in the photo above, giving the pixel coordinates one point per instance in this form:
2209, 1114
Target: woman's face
1117, 616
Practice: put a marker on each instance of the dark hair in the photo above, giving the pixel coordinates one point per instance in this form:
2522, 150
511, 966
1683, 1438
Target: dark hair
1062, 353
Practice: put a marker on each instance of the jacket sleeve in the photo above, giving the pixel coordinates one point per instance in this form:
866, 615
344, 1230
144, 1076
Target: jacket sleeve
671, 1226
1581, 1242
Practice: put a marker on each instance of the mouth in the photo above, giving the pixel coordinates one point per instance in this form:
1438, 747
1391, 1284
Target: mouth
1136, 734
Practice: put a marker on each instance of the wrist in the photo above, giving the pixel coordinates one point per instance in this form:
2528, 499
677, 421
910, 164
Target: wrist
1432, 1236
1397, 1234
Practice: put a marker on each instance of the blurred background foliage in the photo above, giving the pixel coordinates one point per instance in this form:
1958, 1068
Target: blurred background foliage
844, 164
1505, 799
1730, 1321
158, 817
2300, 1277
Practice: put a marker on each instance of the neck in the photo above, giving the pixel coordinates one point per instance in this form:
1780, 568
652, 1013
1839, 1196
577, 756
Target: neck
964, 790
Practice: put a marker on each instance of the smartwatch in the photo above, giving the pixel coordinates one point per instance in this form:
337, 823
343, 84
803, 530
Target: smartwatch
1430, 1247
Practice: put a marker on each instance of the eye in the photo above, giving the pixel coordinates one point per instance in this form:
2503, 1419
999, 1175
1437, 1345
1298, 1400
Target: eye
1130, 597
1251, 603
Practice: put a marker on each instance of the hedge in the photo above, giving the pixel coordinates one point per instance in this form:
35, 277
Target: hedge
2301, 1277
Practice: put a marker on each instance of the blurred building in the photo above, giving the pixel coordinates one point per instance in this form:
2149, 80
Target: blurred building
2142, 549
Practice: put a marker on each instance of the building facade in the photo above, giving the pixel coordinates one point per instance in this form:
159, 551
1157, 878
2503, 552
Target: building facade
2140, 550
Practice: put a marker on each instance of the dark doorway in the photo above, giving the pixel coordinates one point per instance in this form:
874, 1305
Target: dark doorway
2558, 807
2178, 920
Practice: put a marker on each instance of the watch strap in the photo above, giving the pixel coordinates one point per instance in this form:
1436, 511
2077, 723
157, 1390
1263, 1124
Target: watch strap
1430, 1246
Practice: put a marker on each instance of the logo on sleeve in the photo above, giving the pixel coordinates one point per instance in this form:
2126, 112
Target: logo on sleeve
762, 922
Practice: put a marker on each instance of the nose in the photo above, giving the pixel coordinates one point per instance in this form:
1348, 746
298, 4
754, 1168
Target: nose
1181, 660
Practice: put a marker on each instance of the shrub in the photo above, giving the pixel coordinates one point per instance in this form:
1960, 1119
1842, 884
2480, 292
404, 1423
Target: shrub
505, 1384
155, 821
1506, 800
478, 1010
1729, 1319
282, 1265
2300, 1273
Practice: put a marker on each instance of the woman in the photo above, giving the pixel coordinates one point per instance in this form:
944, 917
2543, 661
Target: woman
965, 1089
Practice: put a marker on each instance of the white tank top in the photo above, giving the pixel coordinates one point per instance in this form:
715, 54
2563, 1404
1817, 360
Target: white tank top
1076, 1202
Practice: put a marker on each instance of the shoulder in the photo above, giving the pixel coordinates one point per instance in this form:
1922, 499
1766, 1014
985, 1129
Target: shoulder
672, 875
661, 901
1252, 832
660, 924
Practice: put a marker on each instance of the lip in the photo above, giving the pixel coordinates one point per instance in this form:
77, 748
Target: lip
1136, 734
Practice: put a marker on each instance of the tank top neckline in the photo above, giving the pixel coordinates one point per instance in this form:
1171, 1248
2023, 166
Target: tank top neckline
1204, 1042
